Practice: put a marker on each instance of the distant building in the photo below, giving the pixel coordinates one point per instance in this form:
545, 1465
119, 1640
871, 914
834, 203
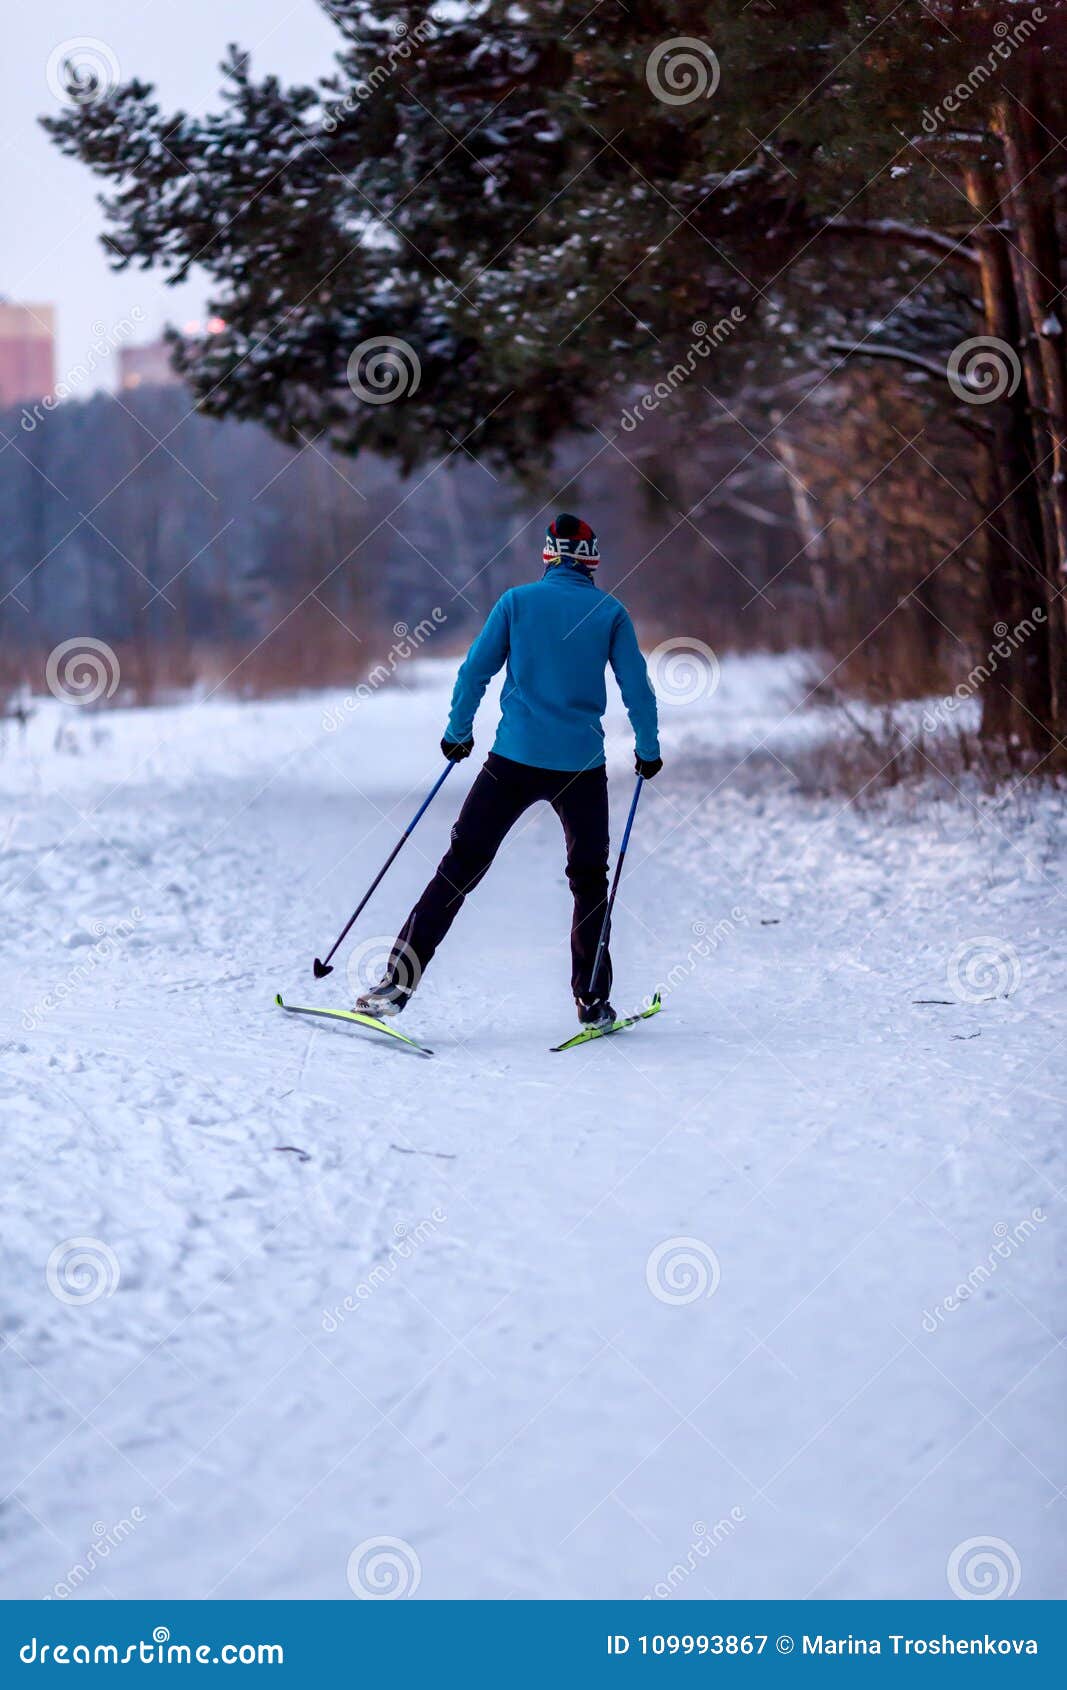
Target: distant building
147, 365
27, 353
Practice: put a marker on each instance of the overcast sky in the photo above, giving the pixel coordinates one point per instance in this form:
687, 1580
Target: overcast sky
49, 220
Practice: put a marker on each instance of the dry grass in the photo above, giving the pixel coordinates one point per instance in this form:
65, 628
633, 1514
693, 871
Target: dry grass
868, 757
310, 649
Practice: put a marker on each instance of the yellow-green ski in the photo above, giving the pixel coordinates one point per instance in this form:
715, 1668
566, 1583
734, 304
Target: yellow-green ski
588, 1033
371, 1022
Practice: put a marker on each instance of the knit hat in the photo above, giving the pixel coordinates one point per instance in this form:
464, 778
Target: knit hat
570, 540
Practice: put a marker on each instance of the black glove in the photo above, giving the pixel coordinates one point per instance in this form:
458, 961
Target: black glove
456, 749
648, 766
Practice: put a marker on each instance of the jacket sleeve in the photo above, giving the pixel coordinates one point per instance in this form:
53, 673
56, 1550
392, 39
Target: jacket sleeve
628, 666
486, 656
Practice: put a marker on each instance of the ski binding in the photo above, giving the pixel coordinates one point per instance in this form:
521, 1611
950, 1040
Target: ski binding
588, 1033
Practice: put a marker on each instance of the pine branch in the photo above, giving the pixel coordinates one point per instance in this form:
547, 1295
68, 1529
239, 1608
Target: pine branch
899, 354
888, 229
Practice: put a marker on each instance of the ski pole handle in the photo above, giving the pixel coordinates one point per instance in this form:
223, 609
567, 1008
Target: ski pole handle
602, 941
321, 969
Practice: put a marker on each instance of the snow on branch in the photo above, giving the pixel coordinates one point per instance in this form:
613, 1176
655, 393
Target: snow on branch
900, 354
888, 229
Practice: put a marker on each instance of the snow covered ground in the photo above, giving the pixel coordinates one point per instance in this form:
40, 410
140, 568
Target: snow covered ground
759, 1299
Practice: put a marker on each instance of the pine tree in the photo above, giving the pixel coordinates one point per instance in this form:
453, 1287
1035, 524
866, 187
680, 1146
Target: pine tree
509, 219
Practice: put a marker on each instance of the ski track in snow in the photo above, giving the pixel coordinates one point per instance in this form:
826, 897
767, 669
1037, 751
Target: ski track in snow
506, 1394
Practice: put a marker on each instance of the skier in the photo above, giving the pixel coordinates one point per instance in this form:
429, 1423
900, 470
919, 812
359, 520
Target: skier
557, 636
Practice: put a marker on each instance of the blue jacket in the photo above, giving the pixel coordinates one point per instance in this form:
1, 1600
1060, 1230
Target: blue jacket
557, 636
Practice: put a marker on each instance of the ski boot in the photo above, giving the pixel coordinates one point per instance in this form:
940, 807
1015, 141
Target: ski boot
595, 1012
383, 1001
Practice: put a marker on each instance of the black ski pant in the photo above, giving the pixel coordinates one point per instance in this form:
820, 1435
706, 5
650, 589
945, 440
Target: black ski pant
502, 792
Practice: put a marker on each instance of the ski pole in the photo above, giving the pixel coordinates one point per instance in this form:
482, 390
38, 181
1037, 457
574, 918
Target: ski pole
324, 968
602, 941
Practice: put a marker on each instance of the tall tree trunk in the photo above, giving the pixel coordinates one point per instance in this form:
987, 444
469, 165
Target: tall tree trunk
816, 543
1036, 269
1017, 701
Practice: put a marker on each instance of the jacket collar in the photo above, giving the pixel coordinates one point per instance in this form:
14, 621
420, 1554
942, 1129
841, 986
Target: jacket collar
577, 570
